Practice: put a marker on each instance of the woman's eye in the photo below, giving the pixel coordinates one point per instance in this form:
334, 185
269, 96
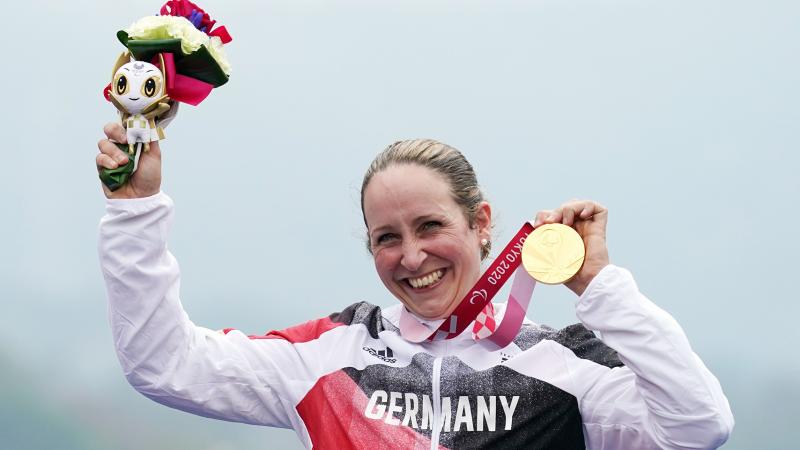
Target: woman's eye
431, 225
384, 238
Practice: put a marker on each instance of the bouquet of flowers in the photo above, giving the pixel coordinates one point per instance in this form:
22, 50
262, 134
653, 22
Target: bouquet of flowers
174, 57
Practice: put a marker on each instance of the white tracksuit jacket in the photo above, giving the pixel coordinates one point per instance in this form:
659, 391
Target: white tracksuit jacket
351, 381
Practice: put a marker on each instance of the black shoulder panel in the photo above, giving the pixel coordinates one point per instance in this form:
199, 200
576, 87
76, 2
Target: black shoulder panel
586, 345
361, 313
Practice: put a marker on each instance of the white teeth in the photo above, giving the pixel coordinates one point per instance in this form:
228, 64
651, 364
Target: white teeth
427, 280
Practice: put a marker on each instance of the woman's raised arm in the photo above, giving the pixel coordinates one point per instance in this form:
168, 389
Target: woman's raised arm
664, 397
163, 354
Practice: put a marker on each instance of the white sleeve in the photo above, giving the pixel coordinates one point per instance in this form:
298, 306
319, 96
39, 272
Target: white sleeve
664, 397
163, 354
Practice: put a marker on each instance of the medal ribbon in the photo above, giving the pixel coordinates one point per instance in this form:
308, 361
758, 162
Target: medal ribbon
481, 294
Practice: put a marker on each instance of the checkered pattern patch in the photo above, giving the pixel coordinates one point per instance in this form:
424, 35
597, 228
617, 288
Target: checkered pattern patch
484, 323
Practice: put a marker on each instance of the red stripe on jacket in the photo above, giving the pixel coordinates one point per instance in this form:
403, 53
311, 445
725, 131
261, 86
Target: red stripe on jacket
333, 413
305, 332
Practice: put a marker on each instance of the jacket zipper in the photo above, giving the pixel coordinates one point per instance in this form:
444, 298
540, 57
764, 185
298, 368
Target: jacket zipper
437, 403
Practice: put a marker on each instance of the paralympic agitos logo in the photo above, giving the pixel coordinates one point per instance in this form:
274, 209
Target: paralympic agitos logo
478, 295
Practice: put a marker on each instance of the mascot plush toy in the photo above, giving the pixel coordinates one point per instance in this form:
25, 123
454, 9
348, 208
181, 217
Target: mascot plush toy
171, 58
138, 92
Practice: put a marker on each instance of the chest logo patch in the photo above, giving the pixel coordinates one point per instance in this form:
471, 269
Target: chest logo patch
386, 355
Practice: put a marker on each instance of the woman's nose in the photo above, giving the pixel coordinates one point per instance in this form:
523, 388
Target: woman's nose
413, 256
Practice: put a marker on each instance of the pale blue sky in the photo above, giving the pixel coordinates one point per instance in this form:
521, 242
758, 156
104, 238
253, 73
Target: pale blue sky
680, 116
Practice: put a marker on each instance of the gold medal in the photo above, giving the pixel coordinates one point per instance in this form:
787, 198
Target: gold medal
553, 253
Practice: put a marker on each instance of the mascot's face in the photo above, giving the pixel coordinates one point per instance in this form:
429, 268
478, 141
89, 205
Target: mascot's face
136, 85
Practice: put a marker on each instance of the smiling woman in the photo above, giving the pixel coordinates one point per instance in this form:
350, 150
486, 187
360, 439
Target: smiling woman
356, 379
426, 248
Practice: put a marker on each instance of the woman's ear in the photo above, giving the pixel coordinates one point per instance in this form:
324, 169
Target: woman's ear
483, 221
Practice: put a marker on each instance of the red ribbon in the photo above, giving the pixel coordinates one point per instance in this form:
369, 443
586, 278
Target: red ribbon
222, 34
180, 87
486, 288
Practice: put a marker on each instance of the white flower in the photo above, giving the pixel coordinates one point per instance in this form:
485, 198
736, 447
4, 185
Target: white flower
174, 27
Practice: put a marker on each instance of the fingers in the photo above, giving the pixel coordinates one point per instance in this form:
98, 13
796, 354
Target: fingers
568, 216
110, 156
541, 216
155, 149
105, 162
571, 212
115, 132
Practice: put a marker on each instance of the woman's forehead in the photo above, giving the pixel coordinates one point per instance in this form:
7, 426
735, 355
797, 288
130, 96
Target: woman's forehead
406, 193
406, 182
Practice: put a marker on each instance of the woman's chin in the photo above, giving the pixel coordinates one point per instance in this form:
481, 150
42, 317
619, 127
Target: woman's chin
431, 314
430, 311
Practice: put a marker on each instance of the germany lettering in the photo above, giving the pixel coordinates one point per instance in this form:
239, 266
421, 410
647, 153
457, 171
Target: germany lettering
475, 413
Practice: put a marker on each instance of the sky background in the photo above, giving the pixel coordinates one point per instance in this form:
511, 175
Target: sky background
681, 117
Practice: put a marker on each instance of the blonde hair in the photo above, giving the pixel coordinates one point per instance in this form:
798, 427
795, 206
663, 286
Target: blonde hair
440, 158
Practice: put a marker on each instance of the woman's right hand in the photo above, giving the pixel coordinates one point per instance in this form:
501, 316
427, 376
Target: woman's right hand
146, 181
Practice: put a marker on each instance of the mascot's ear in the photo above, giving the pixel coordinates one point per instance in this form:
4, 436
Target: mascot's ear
124, 58
163, 71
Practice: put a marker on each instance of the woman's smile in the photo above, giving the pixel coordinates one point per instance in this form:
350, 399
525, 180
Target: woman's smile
427, 281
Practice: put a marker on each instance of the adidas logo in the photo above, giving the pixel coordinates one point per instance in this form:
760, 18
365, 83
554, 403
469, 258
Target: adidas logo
386, 355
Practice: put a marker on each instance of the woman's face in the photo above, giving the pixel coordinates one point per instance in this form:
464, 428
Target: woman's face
425, 252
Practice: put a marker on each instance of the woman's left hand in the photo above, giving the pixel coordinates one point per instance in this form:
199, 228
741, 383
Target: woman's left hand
589, 219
